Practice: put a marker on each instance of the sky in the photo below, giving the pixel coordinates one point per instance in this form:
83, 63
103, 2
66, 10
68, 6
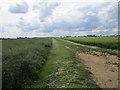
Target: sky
54, 18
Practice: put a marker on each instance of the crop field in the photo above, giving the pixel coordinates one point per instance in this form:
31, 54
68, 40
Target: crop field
22, 60
103, 42
60, 62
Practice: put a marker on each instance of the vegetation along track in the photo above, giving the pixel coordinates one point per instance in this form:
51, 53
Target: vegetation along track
60, 64
103, 65
103, 42
64, 70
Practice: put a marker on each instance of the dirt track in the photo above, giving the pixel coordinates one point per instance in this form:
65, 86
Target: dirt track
104, 68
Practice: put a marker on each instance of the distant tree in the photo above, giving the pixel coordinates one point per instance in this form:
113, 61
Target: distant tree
90, 35
19, 37
112, 35
68, 36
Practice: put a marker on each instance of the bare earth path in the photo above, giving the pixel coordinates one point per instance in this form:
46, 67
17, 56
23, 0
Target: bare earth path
72, 65
106, 74
104, 68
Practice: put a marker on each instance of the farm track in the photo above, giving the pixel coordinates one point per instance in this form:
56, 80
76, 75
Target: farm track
95, 48
64, 70
104, 70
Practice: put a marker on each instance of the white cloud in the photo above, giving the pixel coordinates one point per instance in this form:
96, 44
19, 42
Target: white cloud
45, 9
10, 31
94, 31
115, 30
19, 8
58, 17
91, 13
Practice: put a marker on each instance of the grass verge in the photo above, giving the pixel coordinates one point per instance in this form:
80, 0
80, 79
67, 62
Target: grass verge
64, 70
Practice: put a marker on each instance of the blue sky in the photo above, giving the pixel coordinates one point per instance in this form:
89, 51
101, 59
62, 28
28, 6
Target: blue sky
43, 18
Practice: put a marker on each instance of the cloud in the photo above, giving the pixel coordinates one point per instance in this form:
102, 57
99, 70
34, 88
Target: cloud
19, 8
104, 15
45, 9
28, 26
89, 19
109, 16
10, 31
56, 18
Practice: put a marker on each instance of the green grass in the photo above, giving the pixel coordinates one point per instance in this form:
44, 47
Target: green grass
23, 60
103, 42
39, 63
64, 70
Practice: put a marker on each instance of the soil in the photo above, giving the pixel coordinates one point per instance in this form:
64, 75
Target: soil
104, 69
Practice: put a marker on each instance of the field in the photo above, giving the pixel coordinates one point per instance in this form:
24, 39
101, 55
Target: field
60, 62
103, 42
23, 60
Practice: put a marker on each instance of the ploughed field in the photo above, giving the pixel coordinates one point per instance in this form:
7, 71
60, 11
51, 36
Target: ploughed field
60, 62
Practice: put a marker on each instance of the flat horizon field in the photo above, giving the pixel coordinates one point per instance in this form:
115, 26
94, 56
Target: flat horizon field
64, 44
59, 63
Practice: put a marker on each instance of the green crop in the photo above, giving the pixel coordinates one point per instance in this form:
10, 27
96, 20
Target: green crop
103, 42
23, 60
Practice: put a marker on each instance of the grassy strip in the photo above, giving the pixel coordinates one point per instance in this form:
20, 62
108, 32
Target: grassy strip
23, 60
103, 42
64, 70
104, 51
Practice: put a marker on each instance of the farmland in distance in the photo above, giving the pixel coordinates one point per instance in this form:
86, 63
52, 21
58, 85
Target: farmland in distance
103, 42
69, 62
